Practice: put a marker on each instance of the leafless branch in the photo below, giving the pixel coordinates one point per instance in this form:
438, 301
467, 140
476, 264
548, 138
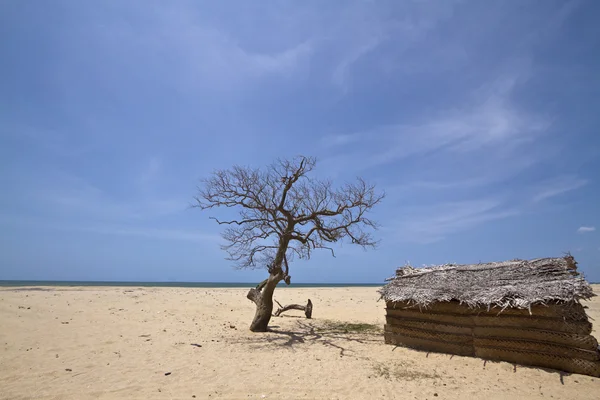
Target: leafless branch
284, 212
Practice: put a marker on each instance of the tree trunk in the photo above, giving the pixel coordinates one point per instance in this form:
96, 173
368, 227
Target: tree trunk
262, 296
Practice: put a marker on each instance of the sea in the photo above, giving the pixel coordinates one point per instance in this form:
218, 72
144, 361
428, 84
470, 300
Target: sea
179, 284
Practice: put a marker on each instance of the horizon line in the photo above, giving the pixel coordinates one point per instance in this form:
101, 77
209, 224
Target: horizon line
253, 283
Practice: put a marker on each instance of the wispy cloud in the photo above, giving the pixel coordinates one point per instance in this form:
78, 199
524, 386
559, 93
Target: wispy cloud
429, 186
70, 196
586, 229
436, 219
557, 186
341, 73
150, 172
341, 140
217, 59
186, 49
455, 157
483, 126
166, 233
46, 140
154, 233
460, 150
431, 224
362, 29
132, 196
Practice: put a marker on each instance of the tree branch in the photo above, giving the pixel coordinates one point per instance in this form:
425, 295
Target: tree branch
308, 308
285, 213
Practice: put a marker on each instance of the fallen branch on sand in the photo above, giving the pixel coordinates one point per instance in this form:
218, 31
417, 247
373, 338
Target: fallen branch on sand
307, 309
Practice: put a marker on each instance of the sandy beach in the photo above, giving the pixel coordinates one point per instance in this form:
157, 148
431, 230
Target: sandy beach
184, 343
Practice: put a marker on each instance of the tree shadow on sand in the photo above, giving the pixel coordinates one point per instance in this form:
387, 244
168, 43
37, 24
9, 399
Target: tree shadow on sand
334, 334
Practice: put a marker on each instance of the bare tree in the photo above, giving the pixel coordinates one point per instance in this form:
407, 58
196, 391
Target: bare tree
285, 213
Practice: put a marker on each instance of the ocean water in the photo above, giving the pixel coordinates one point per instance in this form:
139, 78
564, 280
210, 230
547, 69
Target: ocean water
178, 284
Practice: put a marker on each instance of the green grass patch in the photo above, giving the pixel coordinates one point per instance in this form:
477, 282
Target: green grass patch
401, 372
348, 327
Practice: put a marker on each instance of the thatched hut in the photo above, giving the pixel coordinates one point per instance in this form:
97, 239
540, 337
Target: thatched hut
526, 312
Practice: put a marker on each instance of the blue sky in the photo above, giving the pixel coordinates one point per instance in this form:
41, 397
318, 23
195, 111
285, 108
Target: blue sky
478, 119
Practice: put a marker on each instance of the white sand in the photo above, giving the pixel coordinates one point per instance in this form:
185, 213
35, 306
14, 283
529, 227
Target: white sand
118, 343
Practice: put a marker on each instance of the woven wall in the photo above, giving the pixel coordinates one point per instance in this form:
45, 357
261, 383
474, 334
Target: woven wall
551, 336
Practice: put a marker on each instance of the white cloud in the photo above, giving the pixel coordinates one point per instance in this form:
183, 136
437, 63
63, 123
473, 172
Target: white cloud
586, 229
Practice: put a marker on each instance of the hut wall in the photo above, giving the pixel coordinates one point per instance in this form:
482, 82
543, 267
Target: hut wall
552, 336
